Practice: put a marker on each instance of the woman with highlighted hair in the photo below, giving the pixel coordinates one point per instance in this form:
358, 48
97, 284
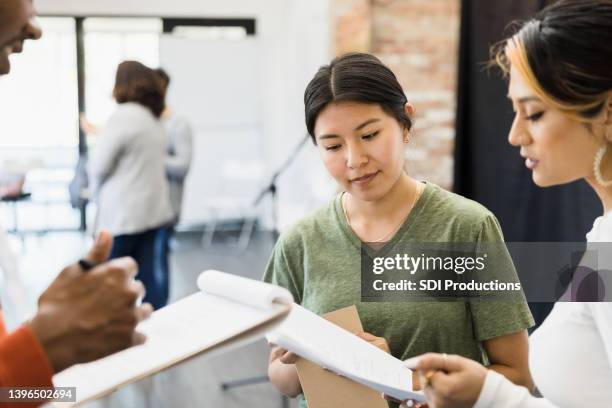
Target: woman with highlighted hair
359, 119
560, 69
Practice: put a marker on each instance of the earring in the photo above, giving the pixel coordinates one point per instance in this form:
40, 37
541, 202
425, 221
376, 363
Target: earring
597, 166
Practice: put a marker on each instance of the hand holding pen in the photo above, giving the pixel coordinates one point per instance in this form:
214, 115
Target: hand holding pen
449, 381
90, 310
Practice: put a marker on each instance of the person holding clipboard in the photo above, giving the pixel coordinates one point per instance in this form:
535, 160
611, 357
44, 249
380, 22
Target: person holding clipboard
560, 69
360, 121
89, 310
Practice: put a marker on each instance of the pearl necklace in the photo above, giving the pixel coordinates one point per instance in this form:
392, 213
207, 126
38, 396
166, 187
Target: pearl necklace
417, 194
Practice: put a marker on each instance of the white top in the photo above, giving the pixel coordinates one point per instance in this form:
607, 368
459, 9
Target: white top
126, 171
570, 354
12, 293
178, 159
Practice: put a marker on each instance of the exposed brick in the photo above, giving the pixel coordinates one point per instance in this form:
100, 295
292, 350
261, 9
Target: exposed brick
352, 25
418, 40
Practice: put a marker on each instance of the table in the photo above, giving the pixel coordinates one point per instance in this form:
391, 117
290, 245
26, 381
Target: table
12, 201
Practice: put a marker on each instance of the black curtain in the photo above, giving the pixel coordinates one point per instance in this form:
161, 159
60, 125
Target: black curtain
487, 168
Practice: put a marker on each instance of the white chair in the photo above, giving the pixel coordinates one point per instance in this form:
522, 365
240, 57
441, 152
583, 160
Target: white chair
239, 183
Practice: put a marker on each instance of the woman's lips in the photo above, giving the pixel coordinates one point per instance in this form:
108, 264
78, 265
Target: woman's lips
364, 180
531, 163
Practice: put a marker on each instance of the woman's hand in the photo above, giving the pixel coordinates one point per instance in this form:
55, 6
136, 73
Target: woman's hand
283, 355
86, 126
282, 371
379, 342
450, 381
406, 404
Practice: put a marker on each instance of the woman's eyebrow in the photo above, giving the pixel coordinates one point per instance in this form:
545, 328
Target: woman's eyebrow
529, 99
330, 136
366, 123
524, 99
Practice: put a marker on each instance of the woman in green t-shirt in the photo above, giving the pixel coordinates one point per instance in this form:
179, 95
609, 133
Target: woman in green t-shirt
360, 120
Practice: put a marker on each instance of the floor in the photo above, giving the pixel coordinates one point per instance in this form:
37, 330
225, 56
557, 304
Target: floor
198, 382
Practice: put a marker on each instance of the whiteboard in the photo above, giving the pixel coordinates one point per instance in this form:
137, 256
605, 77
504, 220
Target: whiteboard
216, 85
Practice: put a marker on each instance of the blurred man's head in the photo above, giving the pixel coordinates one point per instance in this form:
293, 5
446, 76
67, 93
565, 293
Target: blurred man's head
17, 24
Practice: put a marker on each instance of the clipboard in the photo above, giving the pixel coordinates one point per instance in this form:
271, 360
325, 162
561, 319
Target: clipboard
228, 310
324, 389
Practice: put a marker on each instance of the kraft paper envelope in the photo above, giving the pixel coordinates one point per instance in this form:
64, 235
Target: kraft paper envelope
324, 389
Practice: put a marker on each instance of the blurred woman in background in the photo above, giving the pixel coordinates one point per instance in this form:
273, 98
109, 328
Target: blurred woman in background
127, 173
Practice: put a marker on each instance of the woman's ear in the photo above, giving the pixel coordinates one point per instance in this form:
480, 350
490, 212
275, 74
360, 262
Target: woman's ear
409, 108
608, 119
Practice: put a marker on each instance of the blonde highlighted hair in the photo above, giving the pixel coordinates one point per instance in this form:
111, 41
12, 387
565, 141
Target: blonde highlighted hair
565, 55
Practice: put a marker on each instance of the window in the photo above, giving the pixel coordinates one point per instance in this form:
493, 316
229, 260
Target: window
109, 41
39, 123
38, 100
39, 127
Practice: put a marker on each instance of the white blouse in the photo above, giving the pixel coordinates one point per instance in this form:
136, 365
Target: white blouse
178, 160
570, 354
127, 172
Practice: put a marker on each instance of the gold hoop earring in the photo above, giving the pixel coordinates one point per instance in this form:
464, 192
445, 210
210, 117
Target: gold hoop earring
597, 166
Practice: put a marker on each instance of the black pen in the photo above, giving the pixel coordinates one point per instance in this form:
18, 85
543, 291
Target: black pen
86, 265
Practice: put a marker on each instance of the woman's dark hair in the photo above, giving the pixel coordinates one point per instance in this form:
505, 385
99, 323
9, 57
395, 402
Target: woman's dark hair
138, 83
163, 76
565, 54
355, 77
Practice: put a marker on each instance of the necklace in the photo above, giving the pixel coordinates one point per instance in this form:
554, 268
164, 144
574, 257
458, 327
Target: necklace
417, 194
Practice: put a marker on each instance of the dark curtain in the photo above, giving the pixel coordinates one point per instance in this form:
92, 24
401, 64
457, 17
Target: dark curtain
487, 168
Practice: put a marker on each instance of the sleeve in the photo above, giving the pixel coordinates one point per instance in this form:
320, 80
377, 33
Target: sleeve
23, 363
178, 163
104, 157
495, 318
499, 392
281, 272
602, 315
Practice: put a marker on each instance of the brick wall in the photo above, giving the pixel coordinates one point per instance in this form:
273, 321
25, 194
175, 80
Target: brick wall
418, 40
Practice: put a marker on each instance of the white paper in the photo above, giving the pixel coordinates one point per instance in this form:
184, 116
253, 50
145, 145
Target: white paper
175, 332
340, 351
247, 291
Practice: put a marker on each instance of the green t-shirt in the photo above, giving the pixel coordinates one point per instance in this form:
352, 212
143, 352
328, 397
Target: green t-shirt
318, 260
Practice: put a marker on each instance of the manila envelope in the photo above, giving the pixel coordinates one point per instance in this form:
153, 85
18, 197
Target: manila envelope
324, 389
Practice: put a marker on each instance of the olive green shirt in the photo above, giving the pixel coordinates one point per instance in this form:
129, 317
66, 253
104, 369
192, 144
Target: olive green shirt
318, 260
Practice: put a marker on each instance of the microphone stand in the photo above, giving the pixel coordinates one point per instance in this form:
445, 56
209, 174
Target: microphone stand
272, 189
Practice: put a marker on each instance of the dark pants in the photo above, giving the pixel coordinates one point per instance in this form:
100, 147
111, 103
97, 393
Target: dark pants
162, 263
142, 248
